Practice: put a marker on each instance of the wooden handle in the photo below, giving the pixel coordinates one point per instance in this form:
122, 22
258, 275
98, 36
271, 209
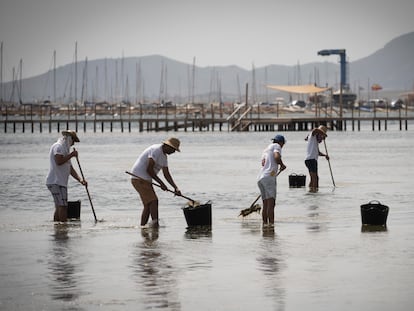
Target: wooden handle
180, 195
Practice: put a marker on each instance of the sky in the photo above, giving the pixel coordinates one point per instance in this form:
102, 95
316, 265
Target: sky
213, 32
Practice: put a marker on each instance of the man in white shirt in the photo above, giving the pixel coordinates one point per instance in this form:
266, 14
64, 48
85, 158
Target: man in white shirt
271, 164
314, 138
145, 170
60, 169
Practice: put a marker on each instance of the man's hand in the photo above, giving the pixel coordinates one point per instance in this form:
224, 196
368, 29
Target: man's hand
163, 186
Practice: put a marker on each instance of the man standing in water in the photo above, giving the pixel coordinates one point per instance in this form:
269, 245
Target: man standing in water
314, 138
271, 160
146, 168
60, 169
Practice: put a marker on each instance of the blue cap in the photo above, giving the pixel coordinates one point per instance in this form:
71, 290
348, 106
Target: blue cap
279, 139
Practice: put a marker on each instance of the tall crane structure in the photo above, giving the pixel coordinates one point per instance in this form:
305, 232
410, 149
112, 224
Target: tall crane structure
344, 96
342, 54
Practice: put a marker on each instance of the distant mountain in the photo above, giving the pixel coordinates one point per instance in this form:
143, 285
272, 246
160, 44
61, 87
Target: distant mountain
157, 77
392, 66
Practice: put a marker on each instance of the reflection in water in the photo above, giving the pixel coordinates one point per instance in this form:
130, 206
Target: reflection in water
371, 228
271, 263
154, 273
62, 267
268, 232
253, 226
198, 232
314, 225
198, 243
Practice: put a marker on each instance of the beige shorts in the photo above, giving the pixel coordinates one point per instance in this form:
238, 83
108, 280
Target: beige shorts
267, 187
60, 194
145, 190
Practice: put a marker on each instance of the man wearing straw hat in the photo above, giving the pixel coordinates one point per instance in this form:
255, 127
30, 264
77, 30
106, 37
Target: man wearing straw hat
60, 169
314, 138
145, 170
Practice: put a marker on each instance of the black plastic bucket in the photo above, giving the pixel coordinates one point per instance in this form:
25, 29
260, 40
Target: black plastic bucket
374, 213
74, 208
297, 180
198, 215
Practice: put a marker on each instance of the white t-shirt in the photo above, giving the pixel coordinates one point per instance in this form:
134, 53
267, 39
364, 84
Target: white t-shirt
58, 174
269, 165
154, 152
312, 149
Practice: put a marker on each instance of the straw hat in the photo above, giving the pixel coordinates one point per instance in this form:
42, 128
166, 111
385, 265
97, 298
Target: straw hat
71, 133
173, 142
323, 129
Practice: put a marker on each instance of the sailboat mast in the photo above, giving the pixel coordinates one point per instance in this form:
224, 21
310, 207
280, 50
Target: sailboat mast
20, 80
138, 83
76, 81
95, 97
122, 94
193, 81
54, 76
1, 73
106, 80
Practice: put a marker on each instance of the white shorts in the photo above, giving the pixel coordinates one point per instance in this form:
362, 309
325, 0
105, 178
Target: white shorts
267, 186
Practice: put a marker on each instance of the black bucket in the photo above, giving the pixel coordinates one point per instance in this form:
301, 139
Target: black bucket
198, 215
74, 208
297, 180
374, 213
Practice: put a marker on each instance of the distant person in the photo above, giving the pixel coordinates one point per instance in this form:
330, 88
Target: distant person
60, 169
314, 138
146, 167
271, 164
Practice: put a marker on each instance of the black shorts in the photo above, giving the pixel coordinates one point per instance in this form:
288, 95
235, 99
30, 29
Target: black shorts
312, 165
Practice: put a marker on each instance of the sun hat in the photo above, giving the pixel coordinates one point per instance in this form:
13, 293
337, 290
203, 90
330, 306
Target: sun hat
279, 139
323, 129
71, 133
173, 142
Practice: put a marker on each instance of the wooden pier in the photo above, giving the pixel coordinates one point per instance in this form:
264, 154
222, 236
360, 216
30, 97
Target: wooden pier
230, 117
256, 124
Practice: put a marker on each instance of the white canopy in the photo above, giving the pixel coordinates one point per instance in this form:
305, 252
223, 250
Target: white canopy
299, 89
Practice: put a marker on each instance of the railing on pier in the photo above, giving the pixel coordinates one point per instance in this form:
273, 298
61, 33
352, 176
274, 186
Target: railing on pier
168, 119
239, 125
206, 124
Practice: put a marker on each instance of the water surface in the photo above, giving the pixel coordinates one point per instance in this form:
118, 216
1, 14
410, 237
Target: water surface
318, 256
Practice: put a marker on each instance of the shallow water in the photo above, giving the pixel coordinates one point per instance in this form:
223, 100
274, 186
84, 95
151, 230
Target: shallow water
318, 256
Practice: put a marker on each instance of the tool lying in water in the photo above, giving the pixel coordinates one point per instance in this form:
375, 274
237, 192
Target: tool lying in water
253, 208
191, 203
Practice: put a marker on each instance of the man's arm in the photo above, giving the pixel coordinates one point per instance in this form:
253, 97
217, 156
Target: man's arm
75, 175
151, 172
169, 178
278, 159
61, 159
